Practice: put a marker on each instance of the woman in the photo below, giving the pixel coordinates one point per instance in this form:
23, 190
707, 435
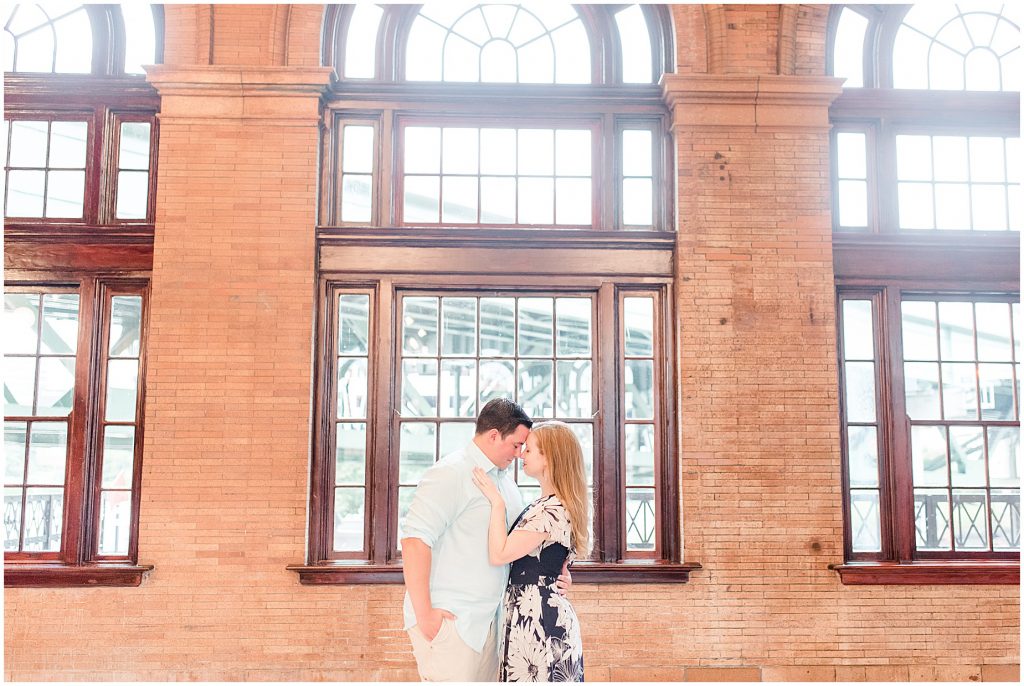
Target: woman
542, 633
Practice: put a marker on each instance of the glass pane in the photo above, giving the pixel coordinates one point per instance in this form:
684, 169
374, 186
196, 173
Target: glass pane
497, 200
863, 455
115, 522
12, 518
575, 380
122, 390
25, 193
14, 452
536, 201
498, 62
921, 385
956, 330
350, 454
56, 386
47, 453
67, 144
357, 198
950, 155
858, 330
140, 38
21, 323
497, 380
916, 210
74, 43
1006, 520
459, 204
422, 150
864, 521
461, 60
118, 456
989, 208
572, 53
65, 191
361, 41
585, 432
639, 454
639, 326
536, 322
640, 519
419, 388
497, 326
848, 49
851, 149
28, 144
994, 341
952, 206
35, 53
458, 388
635, 42
422, 196
637, 202
349, 514
19, 385
125, 325
573, 326
987, 163
60, 324
426, 41
44, 515
132, 195
995, 385
460, 151
913, 158
970, 520
919, 338
1003, 452
931, 519
536, 151
967, 456
535, 388
417, 445
928, 448
455, 436
572, 201
860, 391
959, 391
497, 151
572, 152
357, 150
419, 326
353, 324
853, 203
639, 389
352, 387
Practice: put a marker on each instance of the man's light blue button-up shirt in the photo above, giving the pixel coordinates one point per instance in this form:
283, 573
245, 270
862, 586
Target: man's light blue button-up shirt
451, 515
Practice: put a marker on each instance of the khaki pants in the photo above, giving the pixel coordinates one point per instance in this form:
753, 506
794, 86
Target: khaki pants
448, 658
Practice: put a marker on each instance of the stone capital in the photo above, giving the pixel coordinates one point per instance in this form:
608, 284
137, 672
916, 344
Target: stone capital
763, 103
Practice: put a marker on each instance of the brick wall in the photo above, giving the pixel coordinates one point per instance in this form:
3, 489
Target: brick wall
225, 477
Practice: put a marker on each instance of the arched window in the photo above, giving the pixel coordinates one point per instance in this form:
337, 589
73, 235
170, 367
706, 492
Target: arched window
927, 212
80, 140
518, 154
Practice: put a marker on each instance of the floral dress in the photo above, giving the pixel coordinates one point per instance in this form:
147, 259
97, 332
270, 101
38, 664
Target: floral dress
542, 632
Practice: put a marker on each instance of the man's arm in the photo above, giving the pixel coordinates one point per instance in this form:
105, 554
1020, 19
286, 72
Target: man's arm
416, 558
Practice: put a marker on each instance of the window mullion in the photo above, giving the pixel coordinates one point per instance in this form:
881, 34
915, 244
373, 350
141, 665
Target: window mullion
382, 496
608, 504
386, 163
898, 470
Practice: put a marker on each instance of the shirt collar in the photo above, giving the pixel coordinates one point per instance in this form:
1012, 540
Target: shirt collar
477, 457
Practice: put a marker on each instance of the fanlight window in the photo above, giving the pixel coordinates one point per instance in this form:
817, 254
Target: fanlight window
506, 43
958, 47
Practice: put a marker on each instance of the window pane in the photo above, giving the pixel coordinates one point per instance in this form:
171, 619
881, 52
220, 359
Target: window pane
422, 198
959, 391
12, 518
118, 456
575, 381
349, 514
851, 150
122, 390
639, 389
956, 330
994, 342
132, 195
853, 203
460, 151
637, 202
950, 158
639, 440
1003, 451
536, 151
115, 522
56, 386
858, 330
928, 449
497, 327
987, 163
970, 520
458, 326
416, 450
952, 206
422, 150
353, 324
19, 385
863, 455
640, 519
1006, 520
967, 456
358, 150
458, 388
572, 201
352, 387
356, 198
350, 454
498, 148
460, 200
25, 193
15, 437
498, 62
419, 388
536, 324
60, 324
65, 193
536, 201
860, 391
535, 388
125, 325
361, 41
921, 384
572, 152
44, 515
419, 326
913, 158
864, 521
995, 383
573, 323
28, 144
916, 210
497, 200
635, 44
931, 519
74, 44
67, 144
497, 379
140, 38
989, 207
47, 453
21, 323
455, 436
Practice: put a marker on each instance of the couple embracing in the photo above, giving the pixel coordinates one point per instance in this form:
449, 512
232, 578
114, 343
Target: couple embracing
470, 617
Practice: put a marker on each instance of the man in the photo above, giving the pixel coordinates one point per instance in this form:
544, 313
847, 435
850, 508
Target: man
453, 594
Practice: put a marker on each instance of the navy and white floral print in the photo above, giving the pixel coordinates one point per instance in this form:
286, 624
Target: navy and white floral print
542, 632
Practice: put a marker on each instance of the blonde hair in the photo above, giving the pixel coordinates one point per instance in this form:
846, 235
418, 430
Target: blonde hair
564, 454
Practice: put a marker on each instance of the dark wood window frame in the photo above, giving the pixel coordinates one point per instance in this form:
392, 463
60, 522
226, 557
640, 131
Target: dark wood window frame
78, 563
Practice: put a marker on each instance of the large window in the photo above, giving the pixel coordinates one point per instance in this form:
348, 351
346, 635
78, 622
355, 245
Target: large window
79, 148
927, 215
487, 162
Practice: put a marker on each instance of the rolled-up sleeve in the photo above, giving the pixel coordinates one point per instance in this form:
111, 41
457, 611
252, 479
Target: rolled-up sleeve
434, 505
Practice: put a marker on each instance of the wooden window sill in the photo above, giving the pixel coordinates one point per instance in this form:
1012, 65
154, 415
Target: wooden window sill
638, 572
56, 575
928, 572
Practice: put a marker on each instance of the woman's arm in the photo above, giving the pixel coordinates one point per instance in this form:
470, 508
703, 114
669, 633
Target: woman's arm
503, 548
